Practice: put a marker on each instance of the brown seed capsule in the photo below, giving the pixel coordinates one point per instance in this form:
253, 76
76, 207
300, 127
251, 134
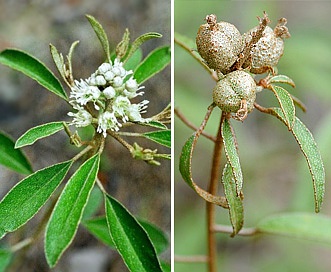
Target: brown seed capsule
219, 44
236, 87
269, 49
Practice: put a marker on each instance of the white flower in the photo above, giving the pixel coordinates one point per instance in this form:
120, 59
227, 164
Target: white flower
120, 106
134, 111
131, 85
81, 118
82, 93
107, 120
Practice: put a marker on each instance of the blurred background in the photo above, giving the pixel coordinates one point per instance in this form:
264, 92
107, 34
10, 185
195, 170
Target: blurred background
145, 190
276, 176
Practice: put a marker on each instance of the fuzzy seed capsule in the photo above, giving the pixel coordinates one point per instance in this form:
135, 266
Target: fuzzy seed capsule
219, 44
236, 87
269, 49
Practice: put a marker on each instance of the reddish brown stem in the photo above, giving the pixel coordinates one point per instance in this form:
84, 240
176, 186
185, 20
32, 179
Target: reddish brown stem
213, 186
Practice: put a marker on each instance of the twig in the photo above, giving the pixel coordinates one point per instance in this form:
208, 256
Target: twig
213, 186
190, 125
191, 259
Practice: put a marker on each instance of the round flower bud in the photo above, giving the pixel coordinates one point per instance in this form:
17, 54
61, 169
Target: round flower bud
219, 44
100, 80
104, 67
109, 75
118, 81
235, 87
109, 92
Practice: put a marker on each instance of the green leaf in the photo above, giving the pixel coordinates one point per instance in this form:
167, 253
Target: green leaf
5, 258
157, 236
67, 213
162, 137
314, 227
33, 68
94, 203
58, 60
139, 41
185, 168
286, 104
282, 79
130, 239
311, 152
101, 34
155, 124
236, 209
232, 153
185, 41
69, 56
155, 62
99, 228
25, 199
11, 157
134, 60
166, 267
38, 132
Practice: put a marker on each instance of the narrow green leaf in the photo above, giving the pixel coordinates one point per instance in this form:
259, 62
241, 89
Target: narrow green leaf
162, 137
236, 208
311, 152
185, 41
166, 267
58, 60
282, 79
134, 60
123, 46
157, 236
155, 62
99, 228
11, 157
5, 258
286, 104
38, 132
94, 203
185, 168
67, 213
232, 153
155, 124
33, 68
25, 199
101, 34
71, 52
139, 41
130, 239
314, 227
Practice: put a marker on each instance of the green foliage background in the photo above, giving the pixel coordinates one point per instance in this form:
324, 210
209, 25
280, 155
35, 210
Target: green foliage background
276, 177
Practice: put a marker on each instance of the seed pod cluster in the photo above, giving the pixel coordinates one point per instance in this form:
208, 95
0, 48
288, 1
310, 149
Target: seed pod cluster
221, 46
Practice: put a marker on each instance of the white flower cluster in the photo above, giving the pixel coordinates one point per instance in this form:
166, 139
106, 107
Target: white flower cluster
110, 92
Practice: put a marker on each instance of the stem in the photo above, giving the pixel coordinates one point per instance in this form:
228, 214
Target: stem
193, 127
213, 186
191, 259
190, 51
